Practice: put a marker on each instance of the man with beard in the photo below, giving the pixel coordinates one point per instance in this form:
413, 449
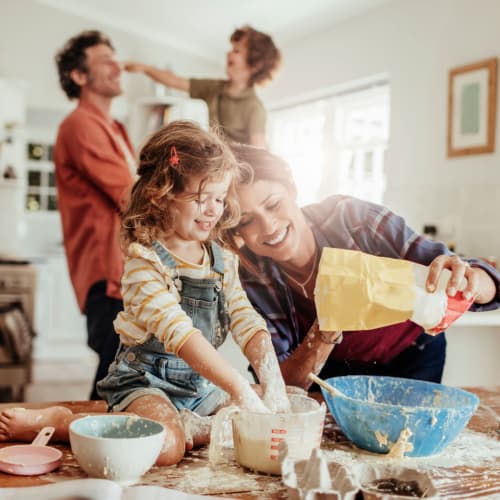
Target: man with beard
94, 171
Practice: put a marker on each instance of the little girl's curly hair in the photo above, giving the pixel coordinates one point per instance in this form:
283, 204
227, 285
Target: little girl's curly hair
177, 151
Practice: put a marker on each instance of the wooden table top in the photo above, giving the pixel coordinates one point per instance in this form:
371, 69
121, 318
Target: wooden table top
194, 475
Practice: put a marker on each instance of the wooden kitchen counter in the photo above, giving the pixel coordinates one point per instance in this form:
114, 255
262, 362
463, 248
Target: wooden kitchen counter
194, 475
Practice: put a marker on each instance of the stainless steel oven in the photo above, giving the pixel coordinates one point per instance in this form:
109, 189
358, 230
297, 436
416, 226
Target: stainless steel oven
17, 285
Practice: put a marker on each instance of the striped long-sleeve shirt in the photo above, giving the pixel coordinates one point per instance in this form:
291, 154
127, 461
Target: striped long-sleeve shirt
152, 302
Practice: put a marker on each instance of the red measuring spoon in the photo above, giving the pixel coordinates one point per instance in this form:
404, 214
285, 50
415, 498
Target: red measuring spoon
31, 459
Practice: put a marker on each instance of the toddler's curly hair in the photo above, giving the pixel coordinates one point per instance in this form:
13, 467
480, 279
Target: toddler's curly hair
198, 153
262, 54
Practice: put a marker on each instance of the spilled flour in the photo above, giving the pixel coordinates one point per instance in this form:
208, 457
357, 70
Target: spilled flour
467, 468
203, 480
472, 449
193, 475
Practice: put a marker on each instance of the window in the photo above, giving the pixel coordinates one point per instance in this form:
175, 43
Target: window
297, 136
41, 192
336, 144
360, 138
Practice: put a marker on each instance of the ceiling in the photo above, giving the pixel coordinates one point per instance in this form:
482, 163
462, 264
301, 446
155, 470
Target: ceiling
203, 26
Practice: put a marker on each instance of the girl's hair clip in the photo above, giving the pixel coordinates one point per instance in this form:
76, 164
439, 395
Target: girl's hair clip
174, 157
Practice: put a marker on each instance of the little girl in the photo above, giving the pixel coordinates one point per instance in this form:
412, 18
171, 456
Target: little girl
181, 295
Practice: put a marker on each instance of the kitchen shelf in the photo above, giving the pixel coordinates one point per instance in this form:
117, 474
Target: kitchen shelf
40, 165
11, 183
152, 112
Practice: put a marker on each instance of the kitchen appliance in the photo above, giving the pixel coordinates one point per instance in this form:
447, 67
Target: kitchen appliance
17, 286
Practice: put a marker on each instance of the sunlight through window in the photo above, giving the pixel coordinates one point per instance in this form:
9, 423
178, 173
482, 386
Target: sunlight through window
336, 144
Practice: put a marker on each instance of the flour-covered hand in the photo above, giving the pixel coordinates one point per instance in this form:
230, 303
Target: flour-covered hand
275, 395
277, 401
247, 399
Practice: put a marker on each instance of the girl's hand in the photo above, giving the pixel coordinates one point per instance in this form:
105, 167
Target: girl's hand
276, 396
277, 403
246, 398
459, 270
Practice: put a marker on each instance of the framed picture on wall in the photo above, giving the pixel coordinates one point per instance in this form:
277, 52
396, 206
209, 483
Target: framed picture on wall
472, 103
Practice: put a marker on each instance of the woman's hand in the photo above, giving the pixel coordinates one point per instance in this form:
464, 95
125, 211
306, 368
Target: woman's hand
479, 284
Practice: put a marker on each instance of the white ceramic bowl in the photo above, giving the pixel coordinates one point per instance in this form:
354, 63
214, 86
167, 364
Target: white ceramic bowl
116, 447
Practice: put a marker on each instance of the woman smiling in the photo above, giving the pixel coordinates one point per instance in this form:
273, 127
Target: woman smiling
279, 245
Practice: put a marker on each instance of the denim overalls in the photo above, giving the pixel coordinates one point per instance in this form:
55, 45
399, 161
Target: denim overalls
147, 369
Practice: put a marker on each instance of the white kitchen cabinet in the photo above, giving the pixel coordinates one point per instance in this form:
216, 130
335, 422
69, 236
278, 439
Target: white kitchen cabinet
12, 132
42, 218
63, 364
12, 169
12, 102
473, 350
60, 325
151, 113
41, 131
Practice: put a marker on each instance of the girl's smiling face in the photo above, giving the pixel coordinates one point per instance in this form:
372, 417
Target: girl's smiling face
271, 223
196, 210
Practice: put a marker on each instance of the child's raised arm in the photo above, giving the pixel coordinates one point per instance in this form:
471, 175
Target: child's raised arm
164, 76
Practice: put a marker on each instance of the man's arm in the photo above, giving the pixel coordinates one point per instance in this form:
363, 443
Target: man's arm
97, 156
164, 76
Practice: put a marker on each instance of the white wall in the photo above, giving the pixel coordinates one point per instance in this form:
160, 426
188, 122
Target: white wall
415, 43
31, 34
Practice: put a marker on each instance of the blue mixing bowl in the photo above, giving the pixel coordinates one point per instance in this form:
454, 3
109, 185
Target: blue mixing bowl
375, 410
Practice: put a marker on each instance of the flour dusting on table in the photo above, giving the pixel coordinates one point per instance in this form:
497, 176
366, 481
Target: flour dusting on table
469, 449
